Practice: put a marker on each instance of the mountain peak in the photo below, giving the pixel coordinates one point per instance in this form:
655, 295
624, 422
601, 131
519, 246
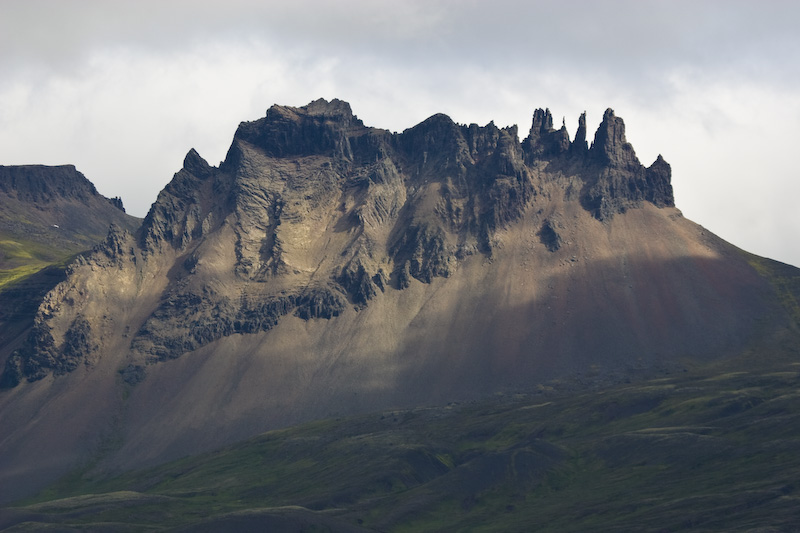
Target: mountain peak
194, 163
320, 127
579, 145
544, 141
457, 187
334, 108
610, 146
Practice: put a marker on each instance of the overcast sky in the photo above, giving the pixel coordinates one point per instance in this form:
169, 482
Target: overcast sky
123, 90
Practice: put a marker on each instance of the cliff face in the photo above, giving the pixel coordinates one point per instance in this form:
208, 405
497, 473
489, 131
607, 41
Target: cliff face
328, 267
324, 213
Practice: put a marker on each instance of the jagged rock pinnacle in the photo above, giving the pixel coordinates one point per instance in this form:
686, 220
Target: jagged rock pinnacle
610, 146
544, 141
579, 145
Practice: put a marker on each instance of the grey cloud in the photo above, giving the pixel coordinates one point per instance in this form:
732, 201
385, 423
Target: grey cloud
85, 81
623, 35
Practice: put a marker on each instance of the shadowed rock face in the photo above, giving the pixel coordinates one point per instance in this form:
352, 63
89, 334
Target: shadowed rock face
617, 181
326, 267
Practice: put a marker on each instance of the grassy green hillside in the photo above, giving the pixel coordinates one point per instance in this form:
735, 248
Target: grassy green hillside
784, 279
708, 449
28, 270
20, 258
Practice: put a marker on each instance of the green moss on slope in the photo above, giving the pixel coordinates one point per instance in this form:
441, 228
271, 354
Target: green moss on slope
701, 451
784, 278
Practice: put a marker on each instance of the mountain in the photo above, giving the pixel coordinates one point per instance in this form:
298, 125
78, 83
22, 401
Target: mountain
326, 268
47, 215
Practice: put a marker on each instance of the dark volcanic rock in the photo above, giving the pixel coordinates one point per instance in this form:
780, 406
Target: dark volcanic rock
319, 303
659, 188
319, 128
117, 202
610, 147
482, 183
549, 236
579, 146
358, 282
543, 141
41, 355
616, 181
403, 275
425, 253
187, 321
434, 146
180, 213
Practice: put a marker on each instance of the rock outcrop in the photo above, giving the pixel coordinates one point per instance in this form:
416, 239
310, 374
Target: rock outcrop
391, 208
618, 181
544, 141
42, 185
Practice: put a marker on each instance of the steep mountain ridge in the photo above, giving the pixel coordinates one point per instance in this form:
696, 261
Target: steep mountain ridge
327, 267
47, 215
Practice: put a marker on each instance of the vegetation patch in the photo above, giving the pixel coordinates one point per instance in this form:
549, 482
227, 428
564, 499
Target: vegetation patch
703, 450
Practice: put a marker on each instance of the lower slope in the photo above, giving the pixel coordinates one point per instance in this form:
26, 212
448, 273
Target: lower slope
709, 449
646, 290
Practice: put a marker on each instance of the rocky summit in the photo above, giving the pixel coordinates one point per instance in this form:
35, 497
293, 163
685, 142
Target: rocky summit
329, 268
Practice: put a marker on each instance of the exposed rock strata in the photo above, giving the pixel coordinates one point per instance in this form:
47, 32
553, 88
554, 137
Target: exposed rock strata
41, 185
323, 212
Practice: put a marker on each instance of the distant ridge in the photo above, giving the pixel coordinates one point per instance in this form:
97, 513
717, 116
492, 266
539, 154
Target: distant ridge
57, 206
